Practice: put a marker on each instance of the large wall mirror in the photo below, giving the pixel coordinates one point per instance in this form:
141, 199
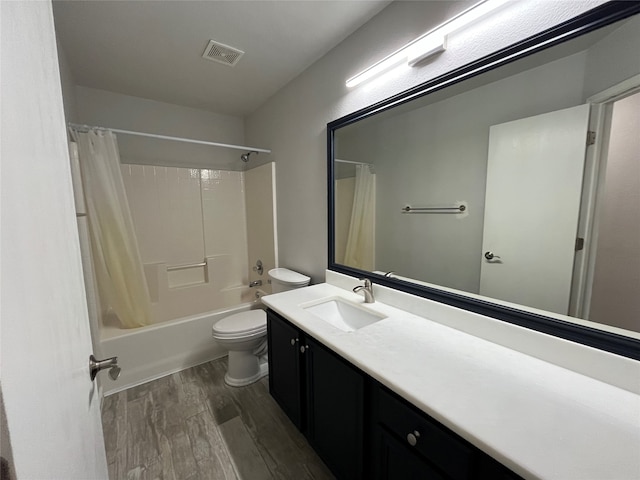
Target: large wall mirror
484, 188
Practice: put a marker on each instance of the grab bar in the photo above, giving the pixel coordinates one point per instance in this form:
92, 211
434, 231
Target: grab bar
183, 267
456, 209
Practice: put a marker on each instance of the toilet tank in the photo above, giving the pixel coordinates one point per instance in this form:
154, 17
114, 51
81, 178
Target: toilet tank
283, 279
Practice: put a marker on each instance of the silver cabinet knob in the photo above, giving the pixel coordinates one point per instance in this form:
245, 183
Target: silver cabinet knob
96, 365
294, 341
412, 438
490, 255
304, 348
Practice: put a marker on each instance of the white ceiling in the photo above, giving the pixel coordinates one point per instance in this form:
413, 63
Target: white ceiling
152, 49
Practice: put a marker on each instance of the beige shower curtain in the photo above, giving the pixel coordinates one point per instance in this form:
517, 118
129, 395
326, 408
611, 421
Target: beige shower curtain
121, 281
359, 252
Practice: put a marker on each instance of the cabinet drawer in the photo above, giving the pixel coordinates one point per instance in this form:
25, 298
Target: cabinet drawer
397, 460
414, 429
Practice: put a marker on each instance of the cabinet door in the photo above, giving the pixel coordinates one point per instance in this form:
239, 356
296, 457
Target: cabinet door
284, 366
335, 399
393, 460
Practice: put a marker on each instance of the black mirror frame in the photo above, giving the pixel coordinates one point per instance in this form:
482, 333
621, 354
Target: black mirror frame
600, 16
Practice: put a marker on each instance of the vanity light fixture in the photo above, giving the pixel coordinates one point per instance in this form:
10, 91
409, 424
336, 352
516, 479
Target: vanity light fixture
428, 44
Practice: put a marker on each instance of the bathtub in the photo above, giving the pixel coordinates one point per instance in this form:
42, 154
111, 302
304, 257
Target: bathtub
151, 352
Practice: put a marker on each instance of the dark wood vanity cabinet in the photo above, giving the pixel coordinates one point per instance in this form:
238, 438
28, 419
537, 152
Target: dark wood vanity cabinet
321, 393
406, 437
285, 373
335, 418
360, 428
393, 460
408, 444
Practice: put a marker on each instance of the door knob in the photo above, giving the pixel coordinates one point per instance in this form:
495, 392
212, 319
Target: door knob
490, 256
96, 365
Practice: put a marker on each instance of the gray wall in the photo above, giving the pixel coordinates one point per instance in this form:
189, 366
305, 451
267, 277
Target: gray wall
114, 110
293, 122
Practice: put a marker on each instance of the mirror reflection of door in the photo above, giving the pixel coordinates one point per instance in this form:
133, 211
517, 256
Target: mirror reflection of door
534, 184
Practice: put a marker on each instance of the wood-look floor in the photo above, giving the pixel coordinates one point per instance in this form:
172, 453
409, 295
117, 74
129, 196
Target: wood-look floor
191, 425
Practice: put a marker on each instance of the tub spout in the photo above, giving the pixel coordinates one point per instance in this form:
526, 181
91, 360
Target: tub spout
256, 283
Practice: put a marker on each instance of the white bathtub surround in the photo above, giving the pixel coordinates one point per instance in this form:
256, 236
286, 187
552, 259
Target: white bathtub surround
187, 216
182, 215
260, 200
211, 291
167, 212
536, 416
224, 219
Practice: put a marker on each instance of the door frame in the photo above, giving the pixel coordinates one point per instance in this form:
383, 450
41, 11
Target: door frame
593, 192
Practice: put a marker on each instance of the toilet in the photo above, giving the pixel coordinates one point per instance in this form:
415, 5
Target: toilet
244, 334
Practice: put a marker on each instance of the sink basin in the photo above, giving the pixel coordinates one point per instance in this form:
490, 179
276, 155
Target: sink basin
344, 315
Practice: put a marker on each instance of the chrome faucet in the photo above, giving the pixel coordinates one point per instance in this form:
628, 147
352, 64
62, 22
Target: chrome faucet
256, 283
367, 289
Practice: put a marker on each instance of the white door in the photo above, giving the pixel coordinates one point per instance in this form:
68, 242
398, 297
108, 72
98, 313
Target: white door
52, 407
534, 184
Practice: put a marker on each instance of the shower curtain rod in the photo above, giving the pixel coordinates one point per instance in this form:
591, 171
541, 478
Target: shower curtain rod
86, 128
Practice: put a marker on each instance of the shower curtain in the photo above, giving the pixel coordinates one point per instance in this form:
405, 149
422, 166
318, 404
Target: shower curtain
121, 281
359, 252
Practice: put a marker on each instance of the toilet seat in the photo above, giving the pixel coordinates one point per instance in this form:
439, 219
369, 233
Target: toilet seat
241, 325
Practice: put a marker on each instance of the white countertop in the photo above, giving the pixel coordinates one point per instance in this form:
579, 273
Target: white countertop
538, 419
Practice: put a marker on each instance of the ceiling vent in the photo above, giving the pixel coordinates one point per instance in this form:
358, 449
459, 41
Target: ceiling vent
218, 52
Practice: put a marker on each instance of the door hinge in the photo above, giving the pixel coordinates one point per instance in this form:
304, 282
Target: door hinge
591, 137
579, 244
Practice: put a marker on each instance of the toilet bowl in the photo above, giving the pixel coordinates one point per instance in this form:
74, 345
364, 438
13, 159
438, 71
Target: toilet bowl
245, 334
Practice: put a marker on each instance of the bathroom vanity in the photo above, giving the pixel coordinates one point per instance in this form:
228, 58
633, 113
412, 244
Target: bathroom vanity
358, 427
408, 396
323, 394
